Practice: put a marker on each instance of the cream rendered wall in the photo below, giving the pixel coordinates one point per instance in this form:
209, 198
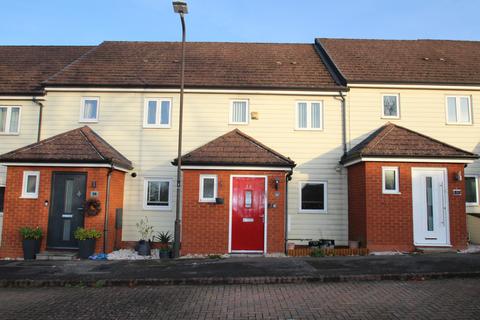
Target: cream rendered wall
206, 117
27, 134
422, 110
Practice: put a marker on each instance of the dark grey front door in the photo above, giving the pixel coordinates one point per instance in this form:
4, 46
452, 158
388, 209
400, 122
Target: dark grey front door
66, 210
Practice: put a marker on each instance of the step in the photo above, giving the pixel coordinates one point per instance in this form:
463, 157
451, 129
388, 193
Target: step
435, 249
57, 255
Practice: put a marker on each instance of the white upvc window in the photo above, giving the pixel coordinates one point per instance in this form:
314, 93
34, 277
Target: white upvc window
391, 106
31, 181
390, 181
313, 197
89, 109
471, 190
309, 115
458, 110
239, 111
157, 194
208, 188
157, 113
9, 119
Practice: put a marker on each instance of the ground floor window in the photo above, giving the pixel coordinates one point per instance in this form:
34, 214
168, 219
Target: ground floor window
471, 190
158, 194
313, 197
208, 188
31, 181
390, 180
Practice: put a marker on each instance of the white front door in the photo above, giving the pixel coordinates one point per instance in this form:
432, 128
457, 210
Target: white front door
430, 207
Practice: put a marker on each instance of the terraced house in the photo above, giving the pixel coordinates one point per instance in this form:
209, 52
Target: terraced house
369, 141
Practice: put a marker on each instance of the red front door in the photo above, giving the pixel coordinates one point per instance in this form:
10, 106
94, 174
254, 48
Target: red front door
248, 213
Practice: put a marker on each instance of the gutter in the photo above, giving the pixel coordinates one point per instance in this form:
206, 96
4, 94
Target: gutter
40, 115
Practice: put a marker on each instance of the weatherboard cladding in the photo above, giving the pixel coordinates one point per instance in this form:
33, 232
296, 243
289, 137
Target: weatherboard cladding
81, 145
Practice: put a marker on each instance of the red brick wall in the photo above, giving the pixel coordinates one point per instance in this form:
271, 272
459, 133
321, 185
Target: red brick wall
356, 203
389, 217
205, 225
20, 212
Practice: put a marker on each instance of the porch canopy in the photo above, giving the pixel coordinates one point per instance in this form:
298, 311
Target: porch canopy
81, 146
236, 149
395, 143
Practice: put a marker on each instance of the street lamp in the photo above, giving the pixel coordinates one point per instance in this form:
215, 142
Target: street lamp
182, 9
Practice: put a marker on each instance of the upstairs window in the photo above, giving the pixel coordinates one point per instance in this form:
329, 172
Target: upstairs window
9, 120
157, 113
31, 180
239, 112
158, 194
459, 110
390, 106
390, 180
313, 197
208, 188
89, 109
309, 116
471, 190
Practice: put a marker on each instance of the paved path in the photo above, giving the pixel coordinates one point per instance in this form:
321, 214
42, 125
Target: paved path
438, 299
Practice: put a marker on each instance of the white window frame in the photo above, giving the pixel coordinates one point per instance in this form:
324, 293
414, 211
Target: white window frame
398, 106
309, 116
457, 108
201, 198
247, 116
145, 194
157, 124
30, 195
325, 196
397, 181
82, 107
9, 118
471, 204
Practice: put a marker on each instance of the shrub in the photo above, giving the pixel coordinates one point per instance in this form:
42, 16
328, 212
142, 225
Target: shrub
144, 229
317, 253
85, 234
163, 237
29, 233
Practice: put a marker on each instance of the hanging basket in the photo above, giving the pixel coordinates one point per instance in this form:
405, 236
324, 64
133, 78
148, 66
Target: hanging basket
92, 207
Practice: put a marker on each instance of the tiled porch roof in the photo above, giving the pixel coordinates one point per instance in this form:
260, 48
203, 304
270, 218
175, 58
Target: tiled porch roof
394, 141
81, 145
235, 148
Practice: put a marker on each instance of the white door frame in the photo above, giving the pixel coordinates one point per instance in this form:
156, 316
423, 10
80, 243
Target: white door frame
265, 214
446, 204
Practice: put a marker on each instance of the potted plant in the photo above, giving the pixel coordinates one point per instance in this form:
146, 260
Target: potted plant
32, 238
146, 232
86, 241
164, 238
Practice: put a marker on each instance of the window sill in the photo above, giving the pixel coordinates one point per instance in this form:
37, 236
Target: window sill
312, 211
146, 208
308, 129
9, 133
207, 201
471, 204
157, 127
238, 123
394, 192
87, 121
458, 124
390, 118
28, 197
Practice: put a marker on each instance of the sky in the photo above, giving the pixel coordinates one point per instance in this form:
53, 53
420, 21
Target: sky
91, 22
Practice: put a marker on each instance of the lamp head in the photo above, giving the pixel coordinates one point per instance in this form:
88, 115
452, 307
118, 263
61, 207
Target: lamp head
180, 7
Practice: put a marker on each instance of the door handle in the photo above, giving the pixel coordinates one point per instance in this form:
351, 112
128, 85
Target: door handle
67, 216
442, 202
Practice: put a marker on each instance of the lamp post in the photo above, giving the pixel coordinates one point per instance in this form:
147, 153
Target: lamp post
182, 9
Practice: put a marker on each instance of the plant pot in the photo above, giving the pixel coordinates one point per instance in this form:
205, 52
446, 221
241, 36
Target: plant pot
165, 254
143, 248
38, 245
86, 248
29, 249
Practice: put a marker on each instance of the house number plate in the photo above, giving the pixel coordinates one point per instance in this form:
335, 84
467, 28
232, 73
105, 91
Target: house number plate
247, 219
457, 192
